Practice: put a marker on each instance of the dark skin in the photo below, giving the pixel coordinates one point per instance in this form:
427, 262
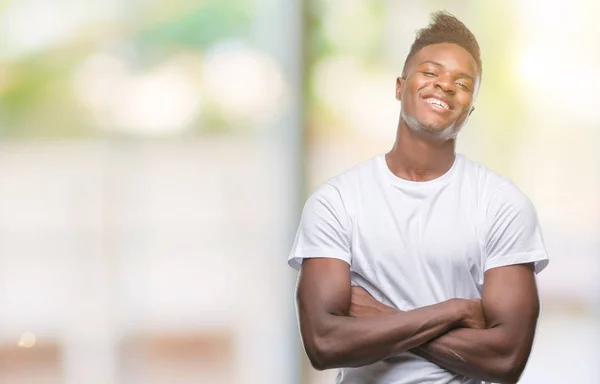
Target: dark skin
453, 334
333, 339
425, 139
498, 353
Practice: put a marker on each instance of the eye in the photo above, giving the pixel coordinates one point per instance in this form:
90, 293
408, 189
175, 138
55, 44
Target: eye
429, 74
463, 86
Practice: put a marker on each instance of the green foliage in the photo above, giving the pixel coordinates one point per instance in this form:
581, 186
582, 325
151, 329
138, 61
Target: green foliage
200, 26
38, 100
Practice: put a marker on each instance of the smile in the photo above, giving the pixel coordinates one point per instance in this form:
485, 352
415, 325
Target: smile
437, 103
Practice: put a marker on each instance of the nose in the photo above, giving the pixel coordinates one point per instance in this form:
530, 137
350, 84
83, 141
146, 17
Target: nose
445, 84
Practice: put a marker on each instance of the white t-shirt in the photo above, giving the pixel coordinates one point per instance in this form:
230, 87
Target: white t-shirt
413, 244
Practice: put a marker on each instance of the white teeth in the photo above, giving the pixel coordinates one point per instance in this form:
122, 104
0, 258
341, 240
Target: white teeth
437, 103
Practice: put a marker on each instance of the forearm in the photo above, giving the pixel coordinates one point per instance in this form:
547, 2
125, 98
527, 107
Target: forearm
510, 303
344, 341
486, 354
477, 353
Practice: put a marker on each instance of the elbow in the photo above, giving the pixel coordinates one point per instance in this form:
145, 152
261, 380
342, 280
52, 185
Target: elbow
319, 354
320, 343
511, 368
507, 377
513, 355
317, 362
510, 375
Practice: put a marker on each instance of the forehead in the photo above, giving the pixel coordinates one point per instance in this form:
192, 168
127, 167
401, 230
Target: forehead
451, 56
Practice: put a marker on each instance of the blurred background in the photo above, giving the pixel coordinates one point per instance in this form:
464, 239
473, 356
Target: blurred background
155, 156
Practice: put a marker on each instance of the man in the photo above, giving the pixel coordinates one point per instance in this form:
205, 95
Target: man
418, 266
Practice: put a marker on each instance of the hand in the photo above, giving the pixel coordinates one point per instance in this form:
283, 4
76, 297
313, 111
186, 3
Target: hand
472, 314
362, 304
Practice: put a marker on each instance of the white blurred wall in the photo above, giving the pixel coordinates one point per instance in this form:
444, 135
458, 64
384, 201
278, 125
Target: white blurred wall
105, 242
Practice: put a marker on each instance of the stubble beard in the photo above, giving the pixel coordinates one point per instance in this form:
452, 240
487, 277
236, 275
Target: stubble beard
448, 133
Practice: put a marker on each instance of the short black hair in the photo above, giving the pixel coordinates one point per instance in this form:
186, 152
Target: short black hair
445, 28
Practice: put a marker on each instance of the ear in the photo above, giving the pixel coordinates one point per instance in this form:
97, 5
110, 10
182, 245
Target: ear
399, 85
471, 111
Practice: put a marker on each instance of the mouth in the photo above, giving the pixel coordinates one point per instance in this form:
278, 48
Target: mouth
437, 103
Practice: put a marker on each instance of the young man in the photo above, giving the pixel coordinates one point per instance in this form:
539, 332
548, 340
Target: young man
418, 266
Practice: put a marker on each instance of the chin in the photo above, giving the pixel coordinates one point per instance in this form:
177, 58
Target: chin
440, 130
445, 133
435, 126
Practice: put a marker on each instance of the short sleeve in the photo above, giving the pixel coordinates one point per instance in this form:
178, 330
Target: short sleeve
512, 231
323, 229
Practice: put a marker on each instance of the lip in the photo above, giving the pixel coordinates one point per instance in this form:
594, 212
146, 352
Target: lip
441, 98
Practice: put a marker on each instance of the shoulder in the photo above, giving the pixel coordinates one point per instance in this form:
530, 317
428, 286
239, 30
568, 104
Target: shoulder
344, 185
499, 197
492, 186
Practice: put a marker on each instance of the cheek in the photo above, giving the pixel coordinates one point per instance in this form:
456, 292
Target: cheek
414, 85
408, 99
465, 104
412, 94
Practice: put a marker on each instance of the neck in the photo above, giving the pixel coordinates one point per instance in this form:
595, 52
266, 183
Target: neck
418, 155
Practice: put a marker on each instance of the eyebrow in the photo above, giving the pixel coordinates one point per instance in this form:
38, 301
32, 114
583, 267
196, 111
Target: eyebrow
461, 74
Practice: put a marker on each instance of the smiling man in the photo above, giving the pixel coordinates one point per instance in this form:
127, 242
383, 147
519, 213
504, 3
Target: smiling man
418, 265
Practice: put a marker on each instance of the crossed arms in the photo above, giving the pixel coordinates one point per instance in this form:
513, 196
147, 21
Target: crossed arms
488, 339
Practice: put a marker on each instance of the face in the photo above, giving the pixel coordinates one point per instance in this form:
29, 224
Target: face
438, 90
